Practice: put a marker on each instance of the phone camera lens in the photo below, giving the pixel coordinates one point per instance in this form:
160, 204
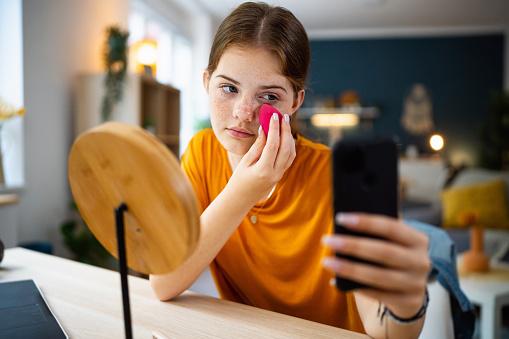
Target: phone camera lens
369, 180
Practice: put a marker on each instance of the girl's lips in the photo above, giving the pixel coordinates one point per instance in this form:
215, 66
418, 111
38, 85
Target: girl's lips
240, 132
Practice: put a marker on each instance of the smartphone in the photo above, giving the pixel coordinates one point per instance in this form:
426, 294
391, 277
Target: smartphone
365, 179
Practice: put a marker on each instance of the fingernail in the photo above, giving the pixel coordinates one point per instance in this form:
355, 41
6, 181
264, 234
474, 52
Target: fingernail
275, 116
347, 219
326, 240
287, 118
332, 282
333, 242
260, 131
327, 261
332, 263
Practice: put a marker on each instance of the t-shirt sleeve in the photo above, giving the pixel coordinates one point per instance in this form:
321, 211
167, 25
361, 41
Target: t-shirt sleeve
192, 165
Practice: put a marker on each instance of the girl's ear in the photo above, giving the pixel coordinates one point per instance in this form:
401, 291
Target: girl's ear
206, 80
299, 99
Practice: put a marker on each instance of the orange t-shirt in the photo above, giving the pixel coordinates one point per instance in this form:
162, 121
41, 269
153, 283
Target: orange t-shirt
275, 264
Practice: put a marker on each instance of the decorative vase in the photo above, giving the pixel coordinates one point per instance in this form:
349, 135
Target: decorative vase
475, 259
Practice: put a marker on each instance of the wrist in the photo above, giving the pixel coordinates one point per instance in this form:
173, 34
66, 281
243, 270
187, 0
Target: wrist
384, 311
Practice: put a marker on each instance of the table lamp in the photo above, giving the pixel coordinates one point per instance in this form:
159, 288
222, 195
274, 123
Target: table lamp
145, 59
135, 199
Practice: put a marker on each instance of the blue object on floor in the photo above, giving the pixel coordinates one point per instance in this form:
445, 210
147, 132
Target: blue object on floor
39, 246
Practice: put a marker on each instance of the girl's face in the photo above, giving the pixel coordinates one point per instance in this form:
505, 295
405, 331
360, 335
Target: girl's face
245, 79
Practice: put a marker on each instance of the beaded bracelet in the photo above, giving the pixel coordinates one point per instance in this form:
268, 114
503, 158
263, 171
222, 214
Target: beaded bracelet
404, 321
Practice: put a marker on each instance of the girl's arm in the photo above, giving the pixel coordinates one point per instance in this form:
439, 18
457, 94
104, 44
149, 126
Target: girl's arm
253, 178
217, 223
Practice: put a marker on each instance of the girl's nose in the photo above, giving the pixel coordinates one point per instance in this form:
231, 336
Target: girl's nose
245, 109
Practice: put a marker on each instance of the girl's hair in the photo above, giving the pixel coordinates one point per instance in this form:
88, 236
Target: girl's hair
276, 29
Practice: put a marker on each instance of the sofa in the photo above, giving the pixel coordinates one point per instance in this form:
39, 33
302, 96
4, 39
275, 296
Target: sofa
481, 191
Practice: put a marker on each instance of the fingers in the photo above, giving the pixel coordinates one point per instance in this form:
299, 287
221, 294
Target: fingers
254, 153
383, 227
401, 262
365, 273
279, 149
377, 277
286, 153
377, 251
272, 145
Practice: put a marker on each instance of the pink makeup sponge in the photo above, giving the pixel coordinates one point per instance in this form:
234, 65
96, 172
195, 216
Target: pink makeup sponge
264, 116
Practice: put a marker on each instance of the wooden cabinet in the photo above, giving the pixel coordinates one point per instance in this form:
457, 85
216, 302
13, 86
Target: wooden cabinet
145, 102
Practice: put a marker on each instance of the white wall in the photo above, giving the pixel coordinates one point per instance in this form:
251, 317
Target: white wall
188, 19
203, 33
61, 38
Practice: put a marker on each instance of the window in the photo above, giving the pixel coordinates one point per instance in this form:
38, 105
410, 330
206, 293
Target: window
11, 91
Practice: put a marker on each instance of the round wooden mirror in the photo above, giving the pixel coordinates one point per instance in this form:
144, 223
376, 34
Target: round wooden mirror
117, 163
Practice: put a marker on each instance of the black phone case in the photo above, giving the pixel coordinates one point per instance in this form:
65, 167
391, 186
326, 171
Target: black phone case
365, 179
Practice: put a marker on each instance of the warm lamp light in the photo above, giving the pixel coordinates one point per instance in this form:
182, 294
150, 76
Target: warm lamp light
145, 54
436, 142
335, 120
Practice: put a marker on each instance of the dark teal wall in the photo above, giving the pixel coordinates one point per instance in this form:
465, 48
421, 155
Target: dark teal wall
460, 72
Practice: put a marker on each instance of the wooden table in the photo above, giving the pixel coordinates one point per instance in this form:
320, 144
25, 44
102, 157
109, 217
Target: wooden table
87, 302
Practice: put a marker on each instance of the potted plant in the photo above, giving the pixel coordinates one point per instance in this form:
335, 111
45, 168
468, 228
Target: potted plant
115, 59
82, 243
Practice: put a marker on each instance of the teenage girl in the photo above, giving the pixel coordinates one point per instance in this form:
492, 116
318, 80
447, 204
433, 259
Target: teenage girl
267, 220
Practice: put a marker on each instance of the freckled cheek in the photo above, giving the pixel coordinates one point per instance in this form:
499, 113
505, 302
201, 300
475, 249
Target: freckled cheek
284, 107
220, 111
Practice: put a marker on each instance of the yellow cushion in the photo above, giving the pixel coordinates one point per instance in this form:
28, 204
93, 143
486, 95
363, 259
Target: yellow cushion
487, 200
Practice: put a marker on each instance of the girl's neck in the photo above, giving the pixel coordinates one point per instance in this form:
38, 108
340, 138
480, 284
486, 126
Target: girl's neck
234, 160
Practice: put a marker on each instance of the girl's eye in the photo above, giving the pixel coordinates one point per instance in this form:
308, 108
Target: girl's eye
269, 97
229, 89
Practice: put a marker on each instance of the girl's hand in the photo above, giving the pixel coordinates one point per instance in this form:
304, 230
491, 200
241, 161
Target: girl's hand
403, 254
265, 162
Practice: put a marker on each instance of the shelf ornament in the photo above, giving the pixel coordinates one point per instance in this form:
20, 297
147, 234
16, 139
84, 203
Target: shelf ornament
417, 118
